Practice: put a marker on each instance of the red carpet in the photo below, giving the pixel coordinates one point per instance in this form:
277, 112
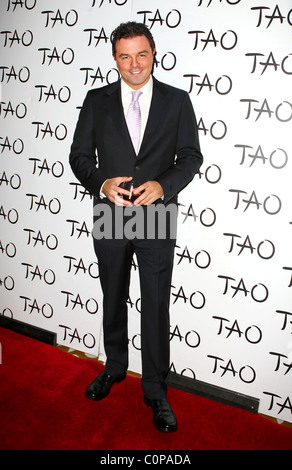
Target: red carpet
43, 407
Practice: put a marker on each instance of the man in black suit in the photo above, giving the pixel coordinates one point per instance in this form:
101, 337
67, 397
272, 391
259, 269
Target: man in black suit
165, 160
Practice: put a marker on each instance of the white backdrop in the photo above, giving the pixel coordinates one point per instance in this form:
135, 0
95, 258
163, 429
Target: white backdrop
231, 304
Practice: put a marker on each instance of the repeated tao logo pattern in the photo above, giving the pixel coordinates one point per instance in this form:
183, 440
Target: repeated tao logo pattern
231, 315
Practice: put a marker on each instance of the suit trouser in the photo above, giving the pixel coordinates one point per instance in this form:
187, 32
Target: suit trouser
155, 271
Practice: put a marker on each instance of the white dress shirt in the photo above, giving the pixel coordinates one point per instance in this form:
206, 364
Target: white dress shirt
144, 101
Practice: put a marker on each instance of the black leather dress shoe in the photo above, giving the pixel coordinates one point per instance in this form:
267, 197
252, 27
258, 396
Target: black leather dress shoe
163, 417
100, 387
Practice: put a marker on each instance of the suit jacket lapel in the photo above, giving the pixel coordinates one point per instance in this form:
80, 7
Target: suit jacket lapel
156, 114
114, 109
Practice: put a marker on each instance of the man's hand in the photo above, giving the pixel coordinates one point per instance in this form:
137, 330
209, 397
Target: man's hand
151, 191
113, 192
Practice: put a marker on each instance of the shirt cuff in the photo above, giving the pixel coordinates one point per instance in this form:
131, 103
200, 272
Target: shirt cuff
101, 194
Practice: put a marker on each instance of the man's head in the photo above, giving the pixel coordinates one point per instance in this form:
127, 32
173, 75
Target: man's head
133, 50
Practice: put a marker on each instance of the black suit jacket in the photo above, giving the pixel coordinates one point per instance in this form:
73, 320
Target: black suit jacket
169, 152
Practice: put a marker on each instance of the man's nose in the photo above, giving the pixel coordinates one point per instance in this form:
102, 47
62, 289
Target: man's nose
135, 62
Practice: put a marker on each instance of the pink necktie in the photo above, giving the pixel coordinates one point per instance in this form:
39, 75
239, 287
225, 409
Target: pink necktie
134, 119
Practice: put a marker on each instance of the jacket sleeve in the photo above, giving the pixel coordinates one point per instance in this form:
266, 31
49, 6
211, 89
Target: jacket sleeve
188, 153
83, 157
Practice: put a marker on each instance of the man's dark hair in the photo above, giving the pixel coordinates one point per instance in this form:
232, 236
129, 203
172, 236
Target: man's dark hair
131, 30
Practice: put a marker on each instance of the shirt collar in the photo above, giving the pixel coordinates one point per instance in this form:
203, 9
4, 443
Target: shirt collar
146, 89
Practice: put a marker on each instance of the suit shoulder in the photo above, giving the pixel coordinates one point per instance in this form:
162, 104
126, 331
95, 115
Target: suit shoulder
106, 89
171, 89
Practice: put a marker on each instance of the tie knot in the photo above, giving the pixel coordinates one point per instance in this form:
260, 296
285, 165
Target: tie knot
136, 95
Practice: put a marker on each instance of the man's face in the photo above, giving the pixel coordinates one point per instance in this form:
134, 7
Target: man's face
134, 58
